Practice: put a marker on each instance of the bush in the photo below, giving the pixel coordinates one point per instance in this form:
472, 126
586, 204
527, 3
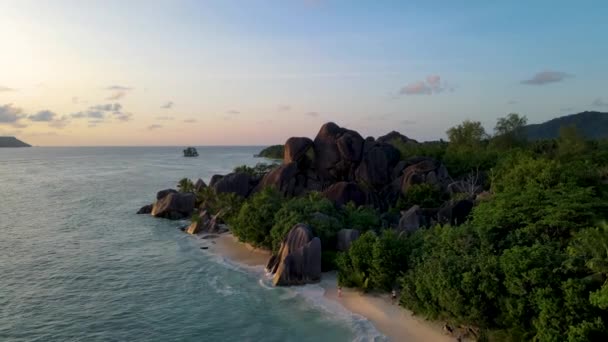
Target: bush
255, 218
361, 218
314, 210
425, 195
228, 203
258, 170
355, 265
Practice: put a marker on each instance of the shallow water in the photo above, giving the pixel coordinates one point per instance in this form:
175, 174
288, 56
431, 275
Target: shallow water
77, 264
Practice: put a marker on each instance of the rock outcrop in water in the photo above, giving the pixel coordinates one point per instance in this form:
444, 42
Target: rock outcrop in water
299, 259
174, 206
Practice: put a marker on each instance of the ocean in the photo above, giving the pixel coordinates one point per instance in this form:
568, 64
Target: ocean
77, 263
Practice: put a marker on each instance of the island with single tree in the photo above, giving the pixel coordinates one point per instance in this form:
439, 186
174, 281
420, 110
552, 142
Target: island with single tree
502, 237
12, 142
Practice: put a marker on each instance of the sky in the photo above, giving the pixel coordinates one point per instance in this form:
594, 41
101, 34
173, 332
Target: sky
249, 72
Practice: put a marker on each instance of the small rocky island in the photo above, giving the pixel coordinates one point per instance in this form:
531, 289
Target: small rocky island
190, 152
338, 167
12, 142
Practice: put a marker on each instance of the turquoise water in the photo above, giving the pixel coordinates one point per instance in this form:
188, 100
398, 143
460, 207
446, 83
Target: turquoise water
77, 264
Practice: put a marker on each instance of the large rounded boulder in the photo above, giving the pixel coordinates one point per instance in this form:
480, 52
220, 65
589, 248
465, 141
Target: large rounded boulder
376, 168
174, 206
337, 152
283, 178
296, 149
237, 183
343, 192
299, 259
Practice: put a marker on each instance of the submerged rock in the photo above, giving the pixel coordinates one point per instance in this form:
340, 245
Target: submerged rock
299, 259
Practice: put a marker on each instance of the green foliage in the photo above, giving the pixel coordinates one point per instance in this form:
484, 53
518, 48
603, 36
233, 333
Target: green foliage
228, 204
360, 218
355, 265
258, 170
185, 185
509, 131
373, 262
314, 210
468, 134
389, 260
525, 265
425, 195
570, 143
434, 149
272, 152
255, 218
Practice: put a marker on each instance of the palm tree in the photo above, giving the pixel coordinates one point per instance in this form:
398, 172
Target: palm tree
185, 185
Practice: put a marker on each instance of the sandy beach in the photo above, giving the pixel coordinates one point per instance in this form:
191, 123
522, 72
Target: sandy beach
391, 320
228, 245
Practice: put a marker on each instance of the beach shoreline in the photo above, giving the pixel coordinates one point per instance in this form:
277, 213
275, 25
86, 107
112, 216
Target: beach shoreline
393, 321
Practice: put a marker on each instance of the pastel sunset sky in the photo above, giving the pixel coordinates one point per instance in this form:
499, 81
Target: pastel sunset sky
254, 72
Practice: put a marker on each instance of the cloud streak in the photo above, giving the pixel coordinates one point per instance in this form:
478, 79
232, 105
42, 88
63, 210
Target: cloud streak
6, 89
42, 116
10, 114
167, 105
118, 88
546, 77
431, 85
153, 127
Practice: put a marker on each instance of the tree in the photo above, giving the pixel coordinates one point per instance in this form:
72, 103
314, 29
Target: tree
570, 143
255, 218
185, 185
467, 134
510, 131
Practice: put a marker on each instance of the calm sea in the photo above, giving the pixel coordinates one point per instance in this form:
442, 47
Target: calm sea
77, 264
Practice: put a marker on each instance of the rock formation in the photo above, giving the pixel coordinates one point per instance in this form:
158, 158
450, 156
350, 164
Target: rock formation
296, 149
425, 170
346, 238
236, 183
174, 206
343, 192
299, 259
146, 209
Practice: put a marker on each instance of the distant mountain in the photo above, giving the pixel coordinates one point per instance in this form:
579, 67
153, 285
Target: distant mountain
592, 125
12, 142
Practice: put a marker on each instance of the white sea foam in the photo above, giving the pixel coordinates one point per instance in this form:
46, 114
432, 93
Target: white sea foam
314, 295
224, 290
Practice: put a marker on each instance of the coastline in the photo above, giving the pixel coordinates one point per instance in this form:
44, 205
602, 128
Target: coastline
393, 321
